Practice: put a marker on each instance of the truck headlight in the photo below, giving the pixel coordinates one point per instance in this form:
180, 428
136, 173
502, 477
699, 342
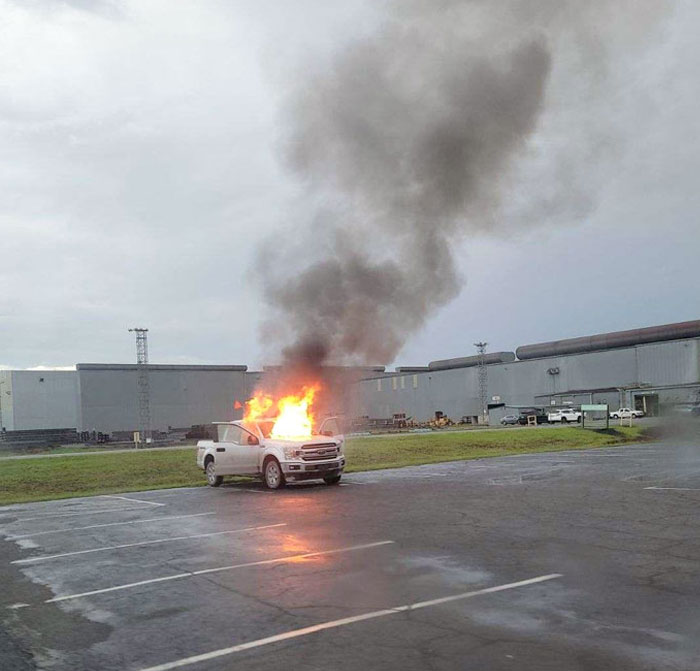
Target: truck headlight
291, 453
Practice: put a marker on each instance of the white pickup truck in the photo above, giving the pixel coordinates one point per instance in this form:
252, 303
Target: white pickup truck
246, 448
626, 413
564, 416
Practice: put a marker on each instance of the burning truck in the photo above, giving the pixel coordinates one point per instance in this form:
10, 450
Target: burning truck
276, 441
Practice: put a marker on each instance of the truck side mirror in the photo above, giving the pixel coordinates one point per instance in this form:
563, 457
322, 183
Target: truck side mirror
252, 440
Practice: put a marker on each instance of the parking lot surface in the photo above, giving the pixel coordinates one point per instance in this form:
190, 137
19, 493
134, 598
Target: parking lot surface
569, 560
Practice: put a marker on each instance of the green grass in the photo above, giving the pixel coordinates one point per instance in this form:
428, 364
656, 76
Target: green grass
366, 454
23, 480
76, 448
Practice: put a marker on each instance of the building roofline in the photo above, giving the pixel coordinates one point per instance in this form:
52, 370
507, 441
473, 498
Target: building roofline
159, 366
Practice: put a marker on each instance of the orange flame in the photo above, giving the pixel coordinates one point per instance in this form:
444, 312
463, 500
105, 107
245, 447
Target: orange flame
293, 415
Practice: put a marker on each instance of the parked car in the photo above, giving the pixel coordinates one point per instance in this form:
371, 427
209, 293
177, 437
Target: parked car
541, 416
564, 416
625, 413
509, 419
246, 448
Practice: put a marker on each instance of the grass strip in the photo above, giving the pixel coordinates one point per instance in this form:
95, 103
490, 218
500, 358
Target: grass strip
24, 480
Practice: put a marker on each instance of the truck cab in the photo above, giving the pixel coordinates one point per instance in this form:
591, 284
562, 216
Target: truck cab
247, 448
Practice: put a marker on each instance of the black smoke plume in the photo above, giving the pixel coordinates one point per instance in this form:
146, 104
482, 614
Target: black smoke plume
406, 144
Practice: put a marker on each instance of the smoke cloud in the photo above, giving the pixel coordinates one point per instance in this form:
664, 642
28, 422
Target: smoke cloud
406, 144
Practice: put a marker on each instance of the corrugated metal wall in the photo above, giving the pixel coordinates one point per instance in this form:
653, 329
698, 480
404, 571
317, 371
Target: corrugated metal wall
40, 400
520, 383
181, 396
6, 409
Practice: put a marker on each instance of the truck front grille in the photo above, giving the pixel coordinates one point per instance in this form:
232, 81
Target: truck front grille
319, 452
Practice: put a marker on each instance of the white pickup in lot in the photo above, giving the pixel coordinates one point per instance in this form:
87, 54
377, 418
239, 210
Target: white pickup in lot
564, 416
626, 413
247, 448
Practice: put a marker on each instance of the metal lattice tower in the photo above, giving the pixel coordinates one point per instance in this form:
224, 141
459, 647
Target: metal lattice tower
144, 392
483, 382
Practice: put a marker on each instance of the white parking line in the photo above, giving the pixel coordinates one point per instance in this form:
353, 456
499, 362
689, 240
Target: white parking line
676, 489
108, 524
126, 498
30, 560
85, 512
305, 631
191, 574
281, 560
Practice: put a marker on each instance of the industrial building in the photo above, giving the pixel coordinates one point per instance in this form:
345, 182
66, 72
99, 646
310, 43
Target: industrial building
102, 398
38, 400
180, 396
650, 369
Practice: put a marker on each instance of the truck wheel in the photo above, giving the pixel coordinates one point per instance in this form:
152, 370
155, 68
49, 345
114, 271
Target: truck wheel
272, 474
213, 480
332, 480
564, 420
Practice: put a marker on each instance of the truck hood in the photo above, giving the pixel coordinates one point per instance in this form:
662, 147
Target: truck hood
314, 440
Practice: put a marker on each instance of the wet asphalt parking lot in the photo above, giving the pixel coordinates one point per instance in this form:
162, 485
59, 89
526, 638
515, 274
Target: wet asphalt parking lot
566, 561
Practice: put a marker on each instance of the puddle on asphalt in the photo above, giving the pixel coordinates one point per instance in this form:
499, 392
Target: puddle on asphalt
444, 567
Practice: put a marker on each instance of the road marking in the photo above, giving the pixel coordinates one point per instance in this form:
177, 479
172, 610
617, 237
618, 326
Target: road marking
114, 589
109, 524
30, 560
93, 512
332, 624
281, 560
676, 489
126, 498
177, 491
190, 574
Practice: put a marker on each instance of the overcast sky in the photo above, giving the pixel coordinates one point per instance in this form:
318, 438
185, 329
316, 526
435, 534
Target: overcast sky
140, 167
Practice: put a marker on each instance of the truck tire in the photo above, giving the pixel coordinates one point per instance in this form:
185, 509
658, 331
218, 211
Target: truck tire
332, 479
272, 474
564, 420
213, 480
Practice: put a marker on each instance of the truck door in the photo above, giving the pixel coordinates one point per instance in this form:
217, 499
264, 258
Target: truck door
235, 454
247, 454
331, 427
224, 457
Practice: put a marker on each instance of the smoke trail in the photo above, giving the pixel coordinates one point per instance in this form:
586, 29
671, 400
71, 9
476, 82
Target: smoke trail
408, 142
